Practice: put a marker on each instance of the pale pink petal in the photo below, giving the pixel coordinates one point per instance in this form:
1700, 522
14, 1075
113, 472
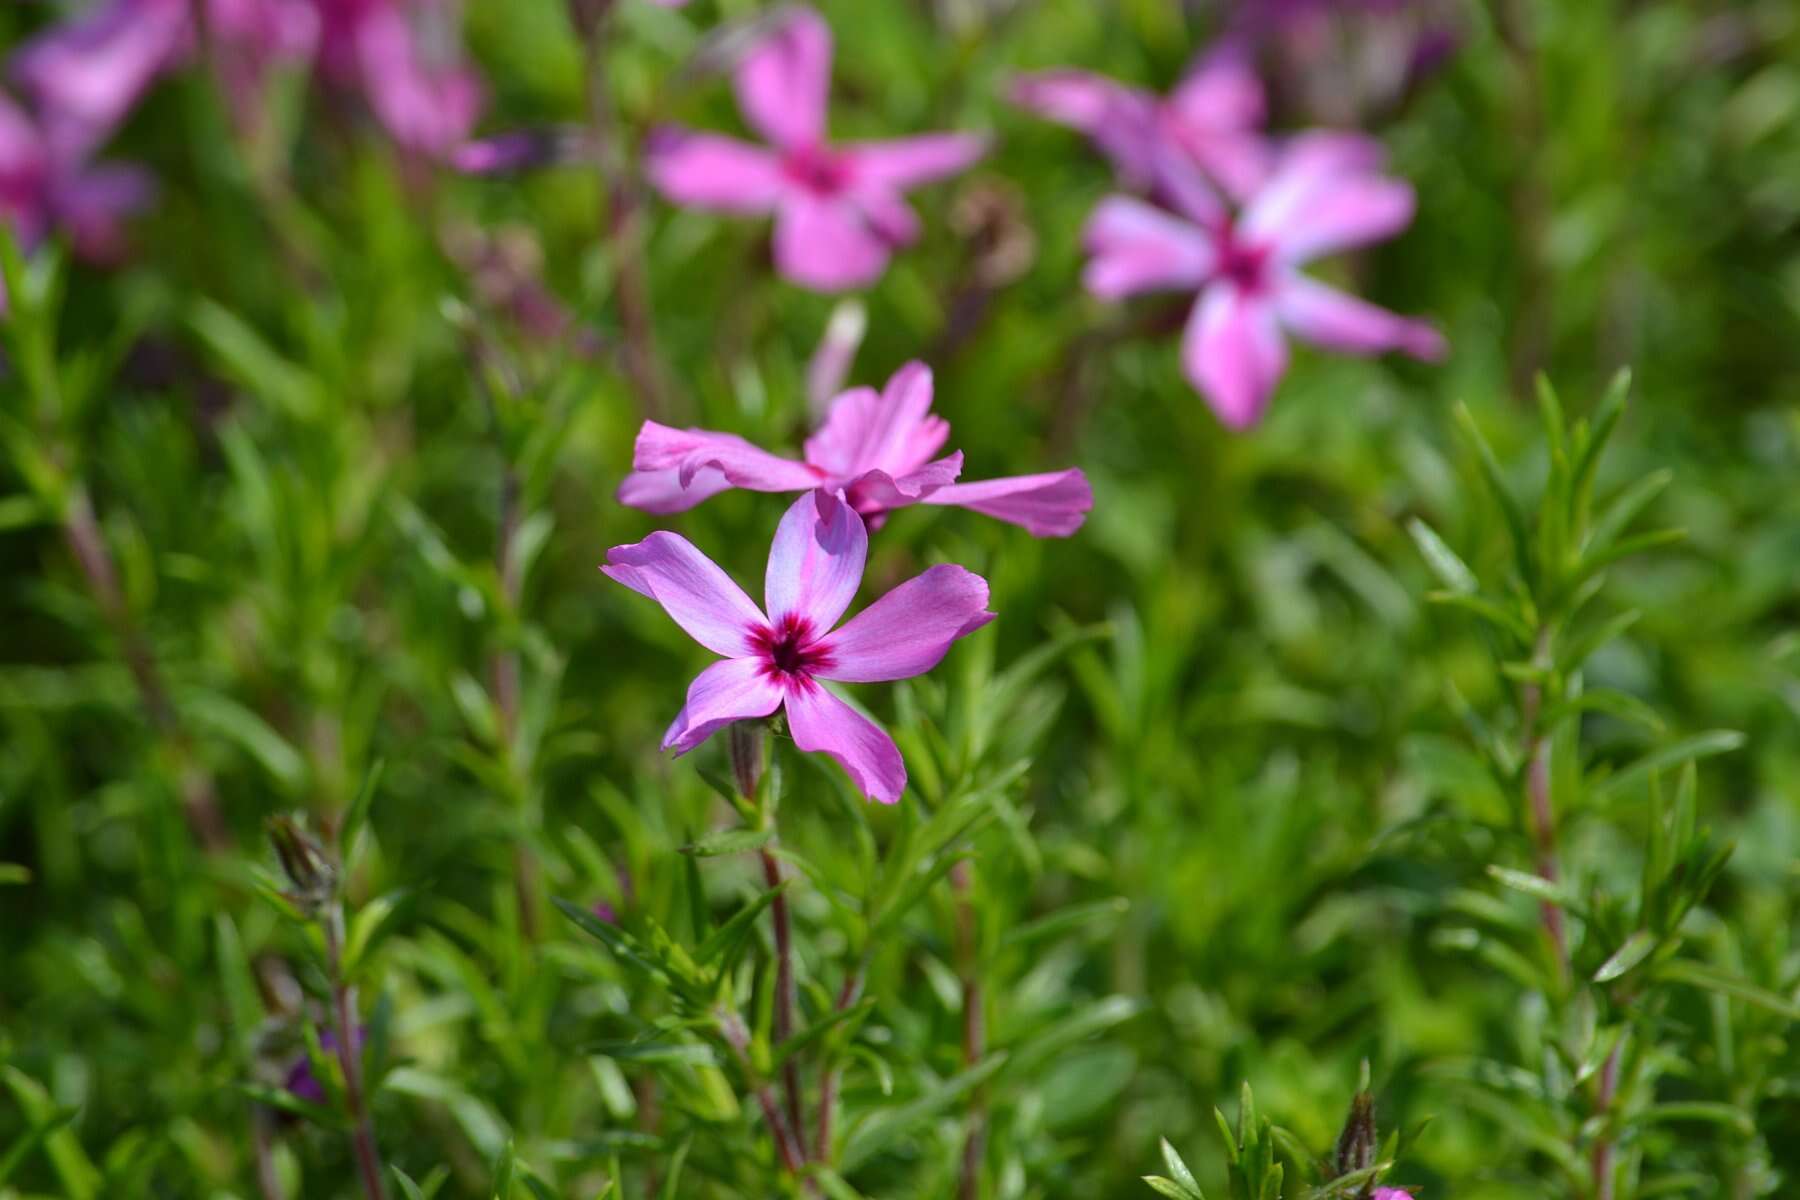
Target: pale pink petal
1233, 352
877, 491
1138, 248
737, 689
1350, 211
692, 589
1330, 318
908, 631
827, 244
1222, 92
820, 722
816, 561
1326, 187
892, 431
886, 214
1182, 182
690, 451
783, 81
1121, 120
709, 170
663, 492
1048, 505
831, 362
425, 105
85, 76
903, 163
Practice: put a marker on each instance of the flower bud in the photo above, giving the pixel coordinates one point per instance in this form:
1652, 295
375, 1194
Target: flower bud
311, 875
1358, 1145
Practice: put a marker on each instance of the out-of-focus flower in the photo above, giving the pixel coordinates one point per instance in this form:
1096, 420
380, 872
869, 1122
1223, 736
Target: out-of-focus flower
521, 150
44, 188
1347, 61
251, 39
1325, 193
85, 76
1392, 1194
839, 209
874, 447
1214, 116
403, 56
301, 1082
778, 660
406, 59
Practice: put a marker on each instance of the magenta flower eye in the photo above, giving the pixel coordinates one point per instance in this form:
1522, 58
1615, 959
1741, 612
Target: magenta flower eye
780, 659
877, 448
839, 210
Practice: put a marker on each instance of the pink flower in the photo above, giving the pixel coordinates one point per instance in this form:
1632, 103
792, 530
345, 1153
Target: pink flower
1392, 1194
839, 211
875, 447
1325, 193
43, 187
85, 76
777, 660
405, 59
1214, 116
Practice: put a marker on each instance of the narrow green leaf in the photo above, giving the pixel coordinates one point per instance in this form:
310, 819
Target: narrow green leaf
1178, 1169
727, 937
1634, 950
1698, 975
1171, 1189
1700, 745
1444, 562
80, 1180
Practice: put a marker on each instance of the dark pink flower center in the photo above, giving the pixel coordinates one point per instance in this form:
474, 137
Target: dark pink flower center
816, 169
1243, 263
789, 651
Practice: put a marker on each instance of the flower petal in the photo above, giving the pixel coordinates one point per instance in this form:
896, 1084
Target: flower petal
1138, 248
827, 244
1233, 352
86, 75
1049, 505
424, 105
662, 491
1326, 194
877, 491
902, 163
783, 81
1330, 318
692, 589
816, 561
1222, 92
819, 721
909, 630
709, 170
1120, 120
892, 431
690, 451
737, 689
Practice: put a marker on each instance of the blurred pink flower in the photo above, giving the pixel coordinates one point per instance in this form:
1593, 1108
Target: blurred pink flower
85, 76
43, 188
874, 447
777, 660
406, 59
1214, 116
839, 211
1325, 193
1392, 1194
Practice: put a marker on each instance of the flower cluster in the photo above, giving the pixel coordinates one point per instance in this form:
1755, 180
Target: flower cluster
873, 454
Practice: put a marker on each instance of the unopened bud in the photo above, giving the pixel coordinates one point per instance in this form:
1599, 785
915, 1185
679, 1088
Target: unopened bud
311, 874
744, 740
1357, 1146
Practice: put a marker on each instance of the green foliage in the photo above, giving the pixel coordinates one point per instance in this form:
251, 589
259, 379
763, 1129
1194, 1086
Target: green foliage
299, 520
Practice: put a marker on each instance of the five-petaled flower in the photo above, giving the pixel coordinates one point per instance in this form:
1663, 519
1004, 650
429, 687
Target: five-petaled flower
778, 659
875, 447
839, 212
1323, 193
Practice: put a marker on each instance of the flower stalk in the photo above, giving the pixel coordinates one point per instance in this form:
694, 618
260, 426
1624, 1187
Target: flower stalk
349, 1053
